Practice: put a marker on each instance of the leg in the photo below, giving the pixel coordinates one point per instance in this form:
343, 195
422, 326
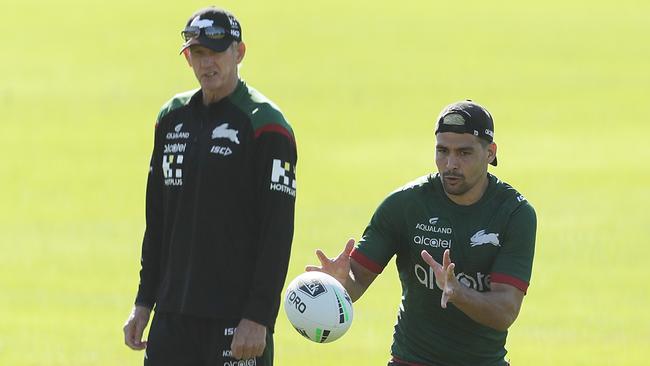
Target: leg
167, 344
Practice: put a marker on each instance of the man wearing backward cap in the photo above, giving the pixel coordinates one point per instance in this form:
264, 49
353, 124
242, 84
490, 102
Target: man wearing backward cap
464, 243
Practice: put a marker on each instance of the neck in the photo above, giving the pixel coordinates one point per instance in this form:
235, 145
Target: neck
473, 195
213, 96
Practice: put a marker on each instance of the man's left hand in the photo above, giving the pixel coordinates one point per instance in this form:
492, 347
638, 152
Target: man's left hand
445, 276
249, 340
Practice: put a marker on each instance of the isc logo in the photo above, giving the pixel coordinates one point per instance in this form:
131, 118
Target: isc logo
229, 331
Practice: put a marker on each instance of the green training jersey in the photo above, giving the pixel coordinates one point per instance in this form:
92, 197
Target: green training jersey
492, 240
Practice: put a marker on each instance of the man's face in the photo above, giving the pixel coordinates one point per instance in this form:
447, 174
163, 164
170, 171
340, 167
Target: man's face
462, 161
215, 71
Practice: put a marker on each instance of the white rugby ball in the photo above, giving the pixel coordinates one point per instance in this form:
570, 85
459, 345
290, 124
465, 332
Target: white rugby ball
318, 306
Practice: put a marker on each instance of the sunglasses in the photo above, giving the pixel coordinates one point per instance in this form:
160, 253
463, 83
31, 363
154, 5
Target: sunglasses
211, 32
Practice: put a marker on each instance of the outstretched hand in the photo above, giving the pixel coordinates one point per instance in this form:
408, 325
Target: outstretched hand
445, 276
338, 267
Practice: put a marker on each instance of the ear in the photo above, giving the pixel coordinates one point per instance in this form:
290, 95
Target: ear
188, 56
241, 51
492, 151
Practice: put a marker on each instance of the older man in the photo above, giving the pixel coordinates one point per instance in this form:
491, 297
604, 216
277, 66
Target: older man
219, 212
456, 309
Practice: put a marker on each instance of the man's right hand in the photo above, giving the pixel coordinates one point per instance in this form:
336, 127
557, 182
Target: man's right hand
134, 327
338, 267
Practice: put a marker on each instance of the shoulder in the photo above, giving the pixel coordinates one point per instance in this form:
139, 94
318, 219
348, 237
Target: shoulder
512, 199
415, 186
409, 192
265, 116
177, 101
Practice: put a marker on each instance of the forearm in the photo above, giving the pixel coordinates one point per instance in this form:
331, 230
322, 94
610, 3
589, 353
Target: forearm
152, 241
494, 309
150, 267
270, 274
354, 288
358, 280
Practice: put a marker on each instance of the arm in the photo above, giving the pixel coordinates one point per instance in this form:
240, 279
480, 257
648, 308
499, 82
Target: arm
497, 308
150, 259
151, 243
275, 164
357, 268
274, 213
353, 276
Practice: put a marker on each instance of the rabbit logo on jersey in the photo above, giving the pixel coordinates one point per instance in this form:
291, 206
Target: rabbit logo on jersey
283, 177
222, 131
482, 238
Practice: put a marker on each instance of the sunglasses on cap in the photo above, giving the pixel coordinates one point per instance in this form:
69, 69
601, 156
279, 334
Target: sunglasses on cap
210, 32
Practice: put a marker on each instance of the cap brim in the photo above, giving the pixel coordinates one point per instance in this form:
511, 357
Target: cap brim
217, 45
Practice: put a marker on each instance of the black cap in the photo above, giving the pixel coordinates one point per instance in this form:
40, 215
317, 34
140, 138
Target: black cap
214, 17
467, 117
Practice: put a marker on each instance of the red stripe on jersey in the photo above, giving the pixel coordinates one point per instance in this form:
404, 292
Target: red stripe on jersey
509, 280
402, 362
368, 263
275, 128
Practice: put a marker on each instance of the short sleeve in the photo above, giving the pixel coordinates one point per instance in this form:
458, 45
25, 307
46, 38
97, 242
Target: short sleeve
514, 263
381, 237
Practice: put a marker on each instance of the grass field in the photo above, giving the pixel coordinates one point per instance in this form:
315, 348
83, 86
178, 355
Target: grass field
568, 83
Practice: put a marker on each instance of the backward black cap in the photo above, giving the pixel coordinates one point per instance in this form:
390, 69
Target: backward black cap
213, 16
467, 117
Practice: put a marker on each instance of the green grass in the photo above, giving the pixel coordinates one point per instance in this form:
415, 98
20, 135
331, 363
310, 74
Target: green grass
361, 82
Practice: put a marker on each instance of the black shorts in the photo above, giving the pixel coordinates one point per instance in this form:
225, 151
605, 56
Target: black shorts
182, 340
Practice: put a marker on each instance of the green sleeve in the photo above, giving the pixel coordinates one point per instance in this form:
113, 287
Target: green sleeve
514, 263
381, 237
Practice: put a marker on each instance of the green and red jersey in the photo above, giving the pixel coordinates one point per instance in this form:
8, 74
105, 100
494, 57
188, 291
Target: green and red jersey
492, 240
